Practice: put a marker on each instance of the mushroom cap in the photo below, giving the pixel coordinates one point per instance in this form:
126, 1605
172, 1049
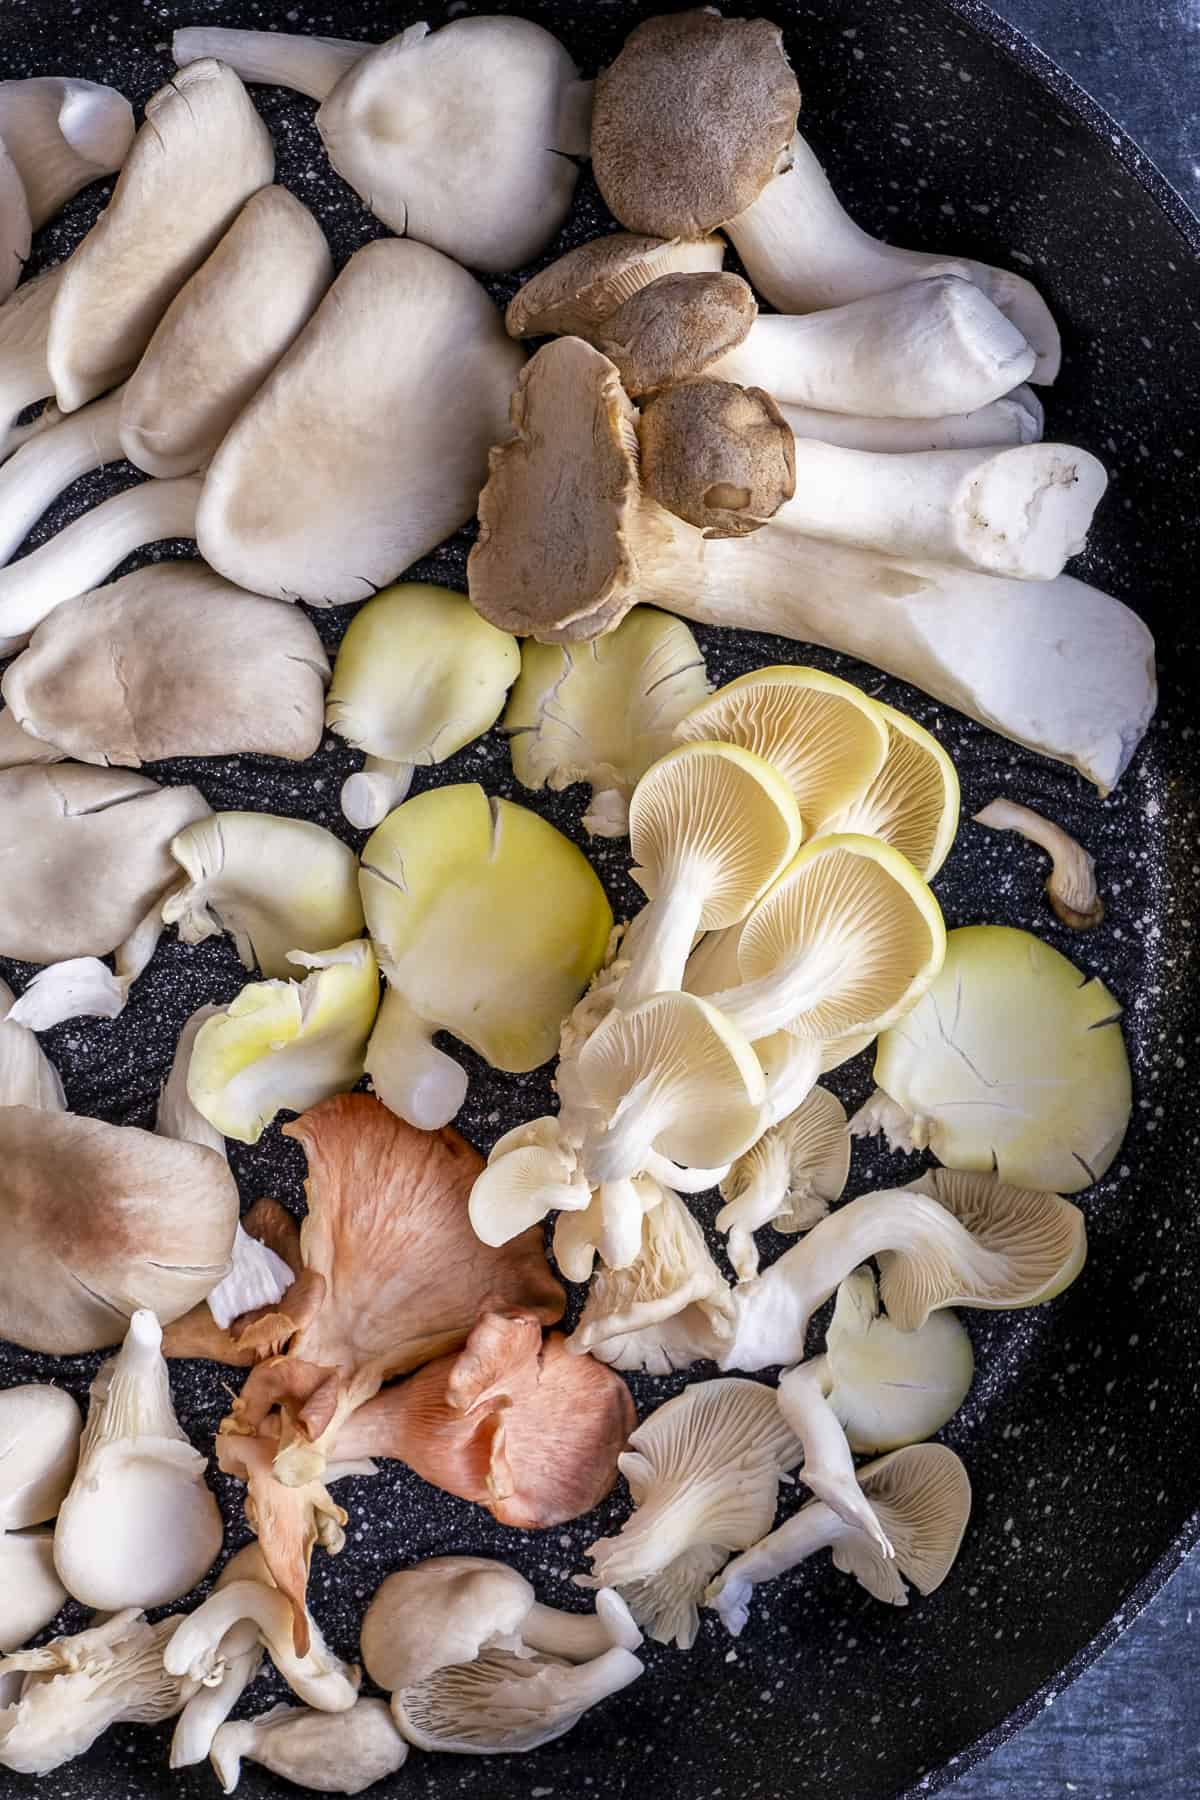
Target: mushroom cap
62, 134
719, 809
692, 120
485, 918
505, 1702
102, 856
911, 801
576, 294
457, 137
674, 329
807, 1155
419, 674
553, 558
32, 1590
39, 1446
441, 1612
720, 456
824, 736
893, 1387
922, 1498
368, 443
223, 333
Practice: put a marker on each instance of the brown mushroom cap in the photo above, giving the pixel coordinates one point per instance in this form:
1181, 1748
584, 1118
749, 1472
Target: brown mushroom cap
720, 456
586, 286
691, 121
676, 328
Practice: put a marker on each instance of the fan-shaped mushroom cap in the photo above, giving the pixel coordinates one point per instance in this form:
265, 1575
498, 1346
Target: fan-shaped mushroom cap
521, 1185
445, 1610
40, 1428
890, 1387
692, 120
367, 444
16, 230
201, 153
576, 294
788, 1178
102, 839
171, 661
62, 134
673, 330
911, 801
98, 1220
504, 1702
223, 333
922, 1497
327, 1753
718, 455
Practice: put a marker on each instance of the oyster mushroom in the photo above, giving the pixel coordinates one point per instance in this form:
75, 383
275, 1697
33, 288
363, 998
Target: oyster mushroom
585, 287
39, 1444
223, 333
531, 1170
311, 65
788, 1178
24, 336
194, 1649
328, 1753
922, 1495
610, 1226
504, 1702
686, 1338
201, 153
1071, 883
239, 1661
171, 661
27, 1076
360, 453
62, 135
418, 675
913, 801
271, 1227
671, 1272
51, 460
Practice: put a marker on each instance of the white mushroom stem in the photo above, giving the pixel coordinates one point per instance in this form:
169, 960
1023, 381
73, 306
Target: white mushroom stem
311, 65
581, 1636
828, 1461
770, 1003
815, 1527
318, 1678
240, 1658
1018, 512
375, 791
410, 1074
932, 347
667, 929
625, 1146
83, 987
1017, 419
24, 335
802, 251
52, 459
791, 1077
684, 1181
62, 134
1071, 884
89, 549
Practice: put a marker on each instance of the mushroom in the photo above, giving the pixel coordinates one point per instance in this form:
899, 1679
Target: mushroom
328, 1753
138, 1526
462, 138
1016, 419
33, 1592
1013, 1061
85, 552
1071, 883
912, 802
274, 884
531, 1171
223, 333
272, 1228
62, 135
610, 1226
603, 713
24, 335
51, 460
661, 167
418, 675
788, 1178
671, 1272
201, 153
286, 1044
367, 444
171, 661
16, 228
27, 1076
946, 1240
568, 542
704, 1471
686, 1338
583, 288
39, 1444
828, 1464
194, 1648
721, 456
923, 1497
487, 923
504, 1702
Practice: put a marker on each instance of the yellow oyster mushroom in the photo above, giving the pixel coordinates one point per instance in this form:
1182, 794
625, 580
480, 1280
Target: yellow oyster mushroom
912, 802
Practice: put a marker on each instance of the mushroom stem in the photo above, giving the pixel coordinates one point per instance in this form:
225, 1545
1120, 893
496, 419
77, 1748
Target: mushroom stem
311, 65
50, 461
683, 1181
209, 1708
581, 1636
666, 931
621, 1150
791, 1078
1016, 419
89, 549
375, 791
771, 1002
318, 1677
828, 1463
1071, 884
815, 1527
419, 1082
803, 251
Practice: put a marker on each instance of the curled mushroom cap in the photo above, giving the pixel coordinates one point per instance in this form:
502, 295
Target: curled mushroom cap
98, 1220
587, 285
368, 443
171, 661
718, 455
1071, 883
675, 329
445, 1610
328, 1753
62, 134
201, 153
223, 333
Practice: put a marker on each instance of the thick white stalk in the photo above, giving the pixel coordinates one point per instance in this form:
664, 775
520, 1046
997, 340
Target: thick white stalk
803, 251
51, 461
815, 1527
773, 1002
791, 1078
581, 1636
1020, 512
410, 1074
828, 1461
666, 929
1017, 419
311, 65
684, 1181
374, 791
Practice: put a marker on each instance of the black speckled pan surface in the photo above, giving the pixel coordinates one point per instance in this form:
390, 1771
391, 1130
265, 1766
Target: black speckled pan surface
940, 128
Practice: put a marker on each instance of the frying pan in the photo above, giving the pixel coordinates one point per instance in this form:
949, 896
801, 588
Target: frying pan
940, 127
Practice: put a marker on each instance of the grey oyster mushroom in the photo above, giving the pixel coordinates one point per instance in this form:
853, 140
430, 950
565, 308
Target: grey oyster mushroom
62, 134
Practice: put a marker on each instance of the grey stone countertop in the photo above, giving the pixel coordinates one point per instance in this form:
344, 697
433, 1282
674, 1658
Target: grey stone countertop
1130, 1726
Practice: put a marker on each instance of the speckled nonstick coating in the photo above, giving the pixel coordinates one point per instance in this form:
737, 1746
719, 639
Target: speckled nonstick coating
945, 129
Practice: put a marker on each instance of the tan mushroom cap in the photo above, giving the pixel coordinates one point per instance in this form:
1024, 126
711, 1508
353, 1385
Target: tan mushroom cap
440, 1613
676, 328
718, 455
576, 294
692, 120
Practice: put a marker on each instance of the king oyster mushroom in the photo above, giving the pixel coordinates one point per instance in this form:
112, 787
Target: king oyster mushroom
62, 134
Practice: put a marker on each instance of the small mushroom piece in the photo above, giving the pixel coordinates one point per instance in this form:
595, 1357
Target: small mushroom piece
201, 153
24, 336
686, 1338
923, 1498
1071, 883
274, 884
368, 444
418, 676
240, 1661
889, 1387
488, 923
27, 1076
608, 1227
789, 1178
51, 460
584, 288
223, 333
912, 803
286, 1044
171, 661
671, 1272
720, 456
524, 1180
1016, 419
603, 713
16, 228
62, 135
327, 1753
505, 1702
40, 1428
315, 1675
